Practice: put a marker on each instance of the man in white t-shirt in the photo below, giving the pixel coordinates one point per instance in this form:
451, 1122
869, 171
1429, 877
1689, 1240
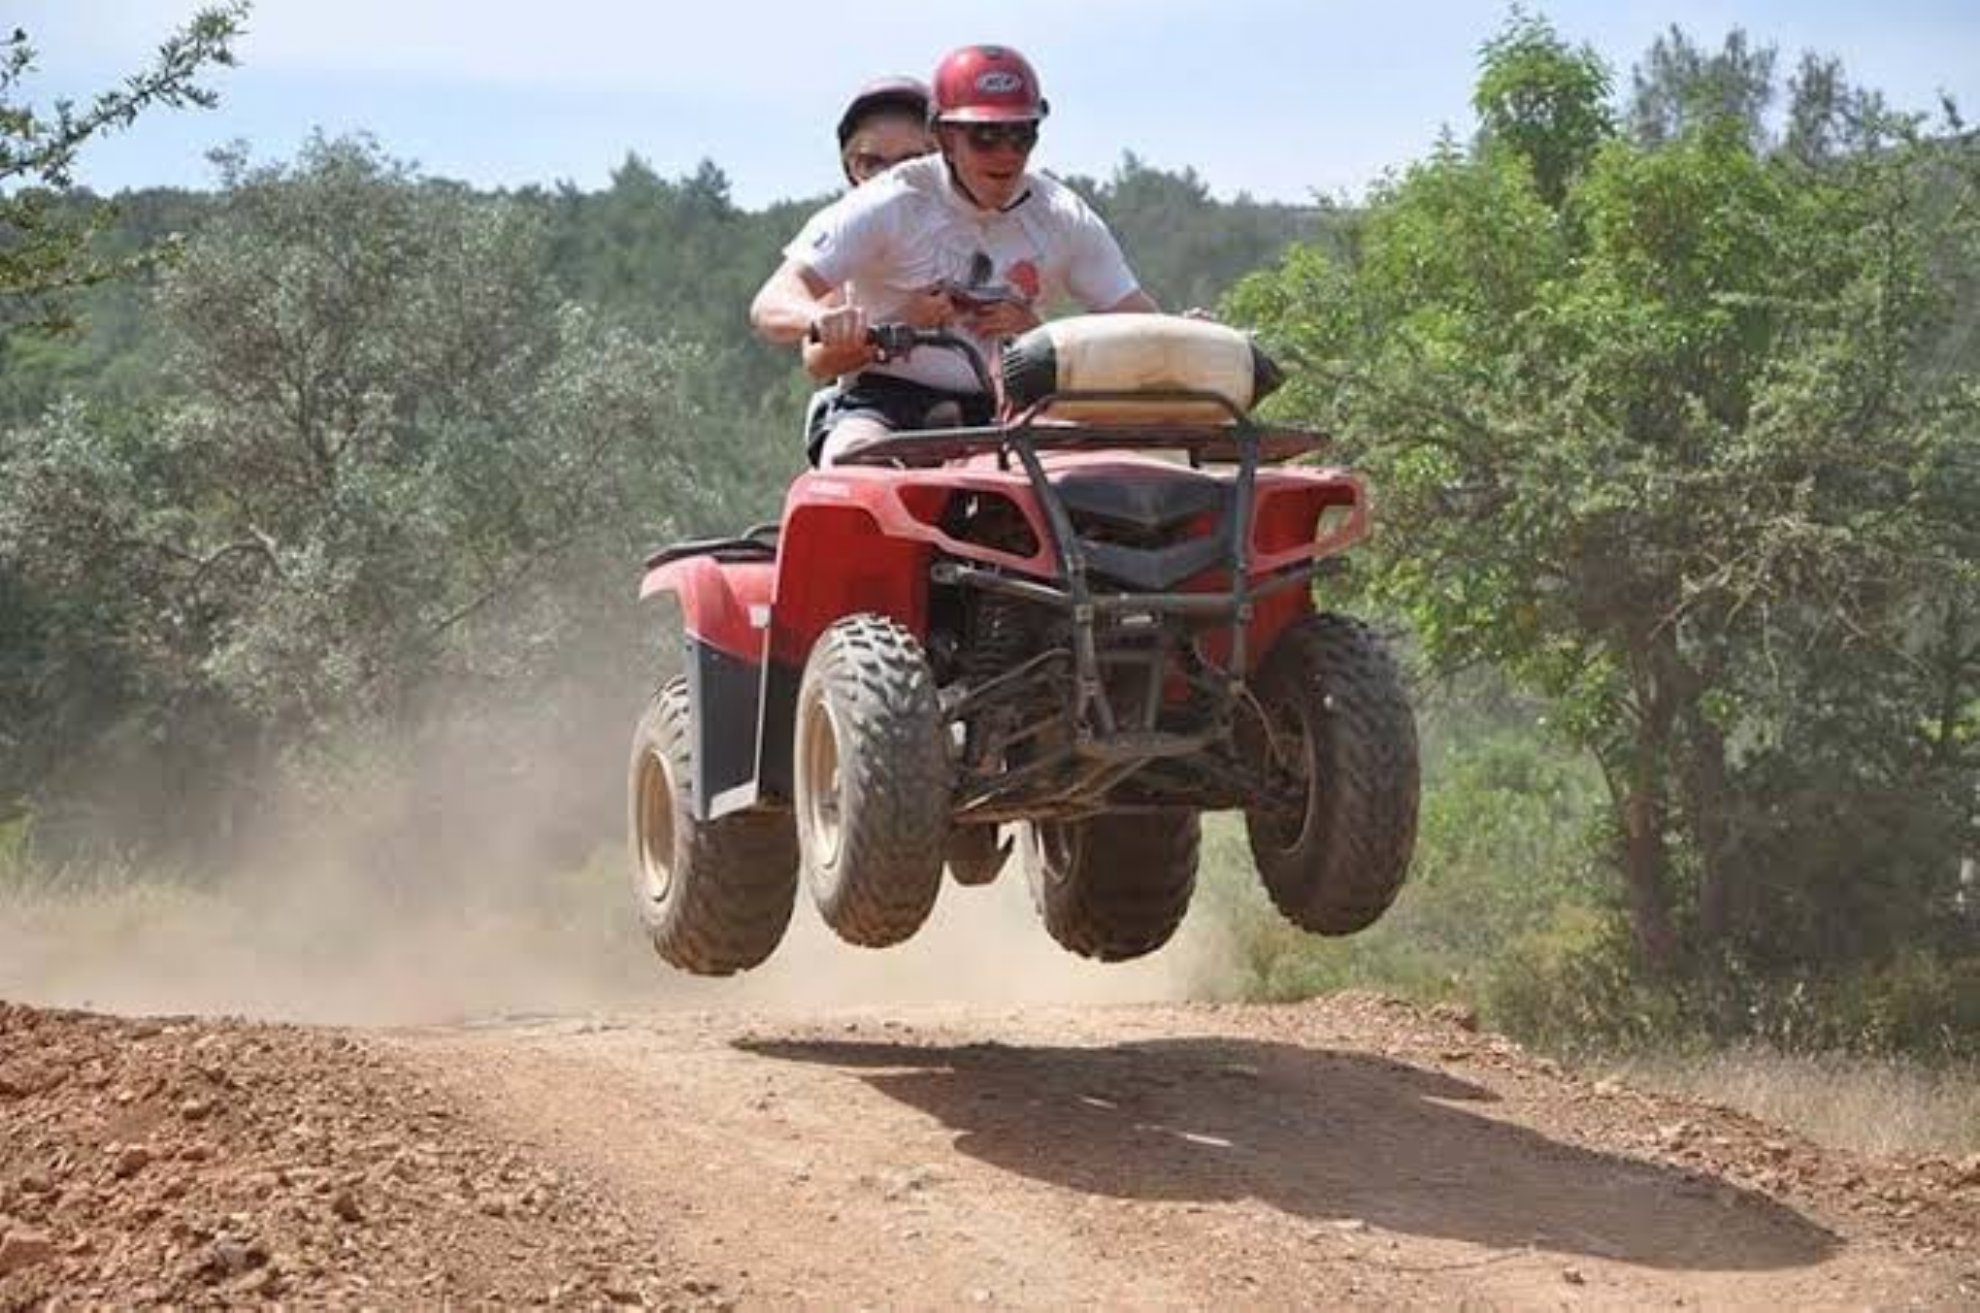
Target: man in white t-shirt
910, 246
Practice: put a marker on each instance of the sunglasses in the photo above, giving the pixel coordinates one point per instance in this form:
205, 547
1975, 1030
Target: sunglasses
1020, 136
867, 162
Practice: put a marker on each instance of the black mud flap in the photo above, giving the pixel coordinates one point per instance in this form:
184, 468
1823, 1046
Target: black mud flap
778, 730
723, 695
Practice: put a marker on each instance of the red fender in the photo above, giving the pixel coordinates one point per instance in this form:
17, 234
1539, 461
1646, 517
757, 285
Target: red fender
724, 605
725, 611
834, 560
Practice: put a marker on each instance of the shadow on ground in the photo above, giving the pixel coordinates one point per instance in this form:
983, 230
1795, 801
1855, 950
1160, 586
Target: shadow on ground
1320, 1134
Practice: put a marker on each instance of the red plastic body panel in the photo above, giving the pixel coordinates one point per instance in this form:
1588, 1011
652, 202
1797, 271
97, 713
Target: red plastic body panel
860, 539
716, 600
847, 545
1291, 524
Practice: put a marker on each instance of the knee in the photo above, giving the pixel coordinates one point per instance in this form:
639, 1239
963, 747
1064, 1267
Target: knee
848, 436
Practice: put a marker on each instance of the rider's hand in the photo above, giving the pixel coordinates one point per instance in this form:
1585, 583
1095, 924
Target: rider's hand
839, 326
931, 308
1001, 319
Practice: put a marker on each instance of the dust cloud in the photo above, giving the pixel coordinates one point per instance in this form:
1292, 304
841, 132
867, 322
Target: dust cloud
299, 936
470, 863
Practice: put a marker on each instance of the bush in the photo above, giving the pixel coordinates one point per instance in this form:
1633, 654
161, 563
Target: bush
1572, 986
13, 848
1575, 988
1507, 838
1916, 1004
1511, 908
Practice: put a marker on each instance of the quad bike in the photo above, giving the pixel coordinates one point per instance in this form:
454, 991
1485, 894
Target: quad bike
1038, 623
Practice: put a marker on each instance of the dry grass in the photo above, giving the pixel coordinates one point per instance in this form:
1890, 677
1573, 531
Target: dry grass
1872, 1105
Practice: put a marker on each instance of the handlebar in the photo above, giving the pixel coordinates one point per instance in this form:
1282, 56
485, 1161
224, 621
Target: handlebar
898, 341
892, 340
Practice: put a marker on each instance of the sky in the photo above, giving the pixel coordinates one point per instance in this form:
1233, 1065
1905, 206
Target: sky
1282, 99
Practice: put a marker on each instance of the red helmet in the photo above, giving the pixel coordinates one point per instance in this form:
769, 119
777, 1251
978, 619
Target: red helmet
901, 95
987, 84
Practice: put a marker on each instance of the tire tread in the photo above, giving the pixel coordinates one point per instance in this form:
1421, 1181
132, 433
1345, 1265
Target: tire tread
1128, 887
894, 767
734, 879
1336, 669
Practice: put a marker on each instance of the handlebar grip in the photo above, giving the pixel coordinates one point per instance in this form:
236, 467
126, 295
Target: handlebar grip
893, 340
884, 336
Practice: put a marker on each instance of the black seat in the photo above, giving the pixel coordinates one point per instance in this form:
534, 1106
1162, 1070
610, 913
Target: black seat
722, 549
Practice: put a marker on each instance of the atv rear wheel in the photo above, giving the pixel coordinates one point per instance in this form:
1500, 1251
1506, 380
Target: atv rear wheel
717, 895
1113, 886
871, 781
974, 856
1335, 843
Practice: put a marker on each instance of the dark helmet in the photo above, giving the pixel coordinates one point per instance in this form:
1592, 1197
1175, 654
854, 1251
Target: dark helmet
895, 95
987, 84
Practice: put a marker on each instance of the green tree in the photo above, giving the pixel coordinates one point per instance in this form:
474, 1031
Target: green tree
678, 258
46, 236
1668, 452
1828, 119
45, 242
1680, 86
393, 462
1544, 102
1188, 247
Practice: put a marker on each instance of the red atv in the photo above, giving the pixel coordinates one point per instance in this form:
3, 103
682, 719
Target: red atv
1036, 623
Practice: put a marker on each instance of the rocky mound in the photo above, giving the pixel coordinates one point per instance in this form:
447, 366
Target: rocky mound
199, 1162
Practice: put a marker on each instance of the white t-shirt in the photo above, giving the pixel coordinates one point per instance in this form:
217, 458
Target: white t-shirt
910, 228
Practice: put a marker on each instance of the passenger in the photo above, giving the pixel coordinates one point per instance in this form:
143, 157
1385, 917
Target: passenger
898, 249
885, 123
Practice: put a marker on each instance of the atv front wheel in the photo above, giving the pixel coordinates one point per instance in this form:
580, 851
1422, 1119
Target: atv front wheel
871, 781
1334, 841
1115, 886
717, 895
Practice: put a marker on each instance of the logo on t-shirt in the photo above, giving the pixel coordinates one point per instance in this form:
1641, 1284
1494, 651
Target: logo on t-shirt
1024, 277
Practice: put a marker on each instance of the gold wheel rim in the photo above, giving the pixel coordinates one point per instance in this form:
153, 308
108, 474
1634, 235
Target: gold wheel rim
656, 828
822, 806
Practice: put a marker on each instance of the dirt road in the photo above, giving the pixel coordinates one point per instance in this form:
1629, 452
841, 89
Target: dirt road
1348, 1151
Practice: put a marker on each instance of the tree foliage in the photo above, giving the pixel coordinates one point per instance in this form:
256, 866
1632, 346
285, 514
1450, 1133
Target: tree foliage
1676, 447
1680, 86
1187, 247
45, 240
390, 458
1542, 101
